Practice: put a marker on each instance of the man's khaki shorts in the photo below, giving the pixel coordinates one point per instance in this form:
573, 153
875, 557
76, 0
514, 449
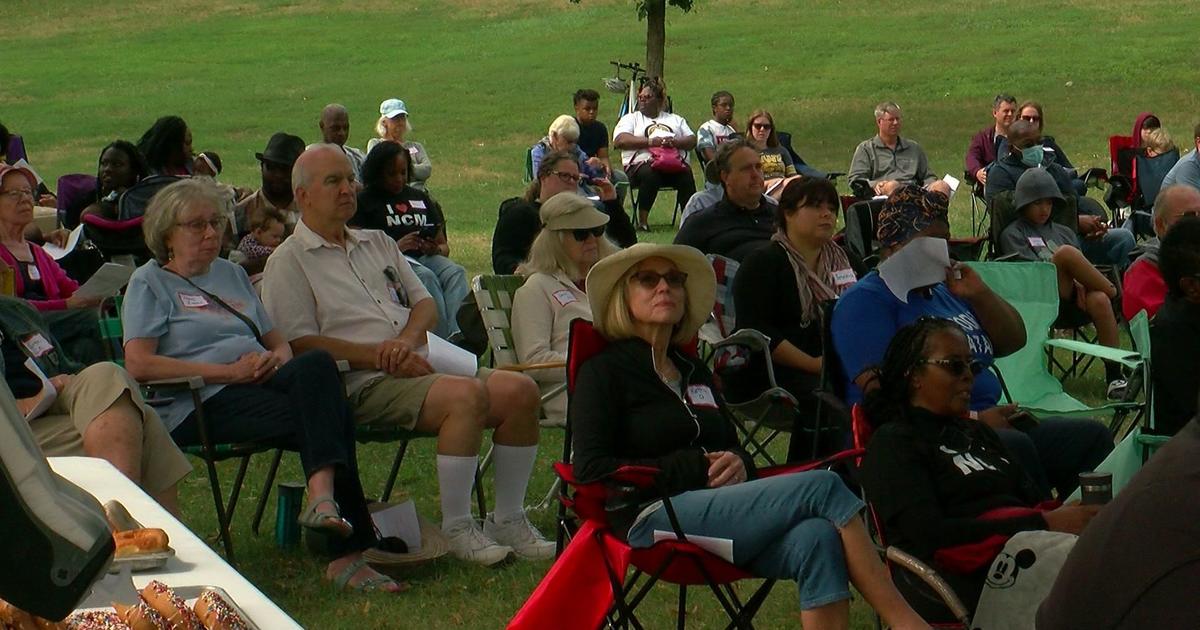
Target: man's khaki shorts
393, 401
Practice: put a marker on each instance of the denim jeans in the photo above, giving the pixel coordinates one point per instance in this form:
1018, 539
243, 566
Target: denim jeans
1111, 249
782, 527
446, 282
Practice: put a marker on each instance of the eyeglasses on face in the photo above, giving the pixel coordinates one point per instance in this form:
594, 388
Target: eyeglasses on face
197, 226
568, 178
650, 279
956, 367
582, 234
763, 126
17, 194
1032, 119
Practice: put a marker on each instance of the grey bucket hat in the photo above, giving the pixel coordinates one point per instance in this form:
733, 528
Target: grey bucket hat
1034, 184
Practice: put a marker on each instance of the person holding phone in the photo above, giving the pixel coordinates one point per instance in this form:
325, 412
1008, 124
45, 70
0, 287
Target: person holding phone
415, 221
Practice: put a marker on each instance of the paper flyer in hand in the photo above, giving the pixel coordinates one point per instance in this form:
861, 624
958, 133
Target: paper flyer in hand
921, 263
48, 394
447, 358
107, 281
56, 252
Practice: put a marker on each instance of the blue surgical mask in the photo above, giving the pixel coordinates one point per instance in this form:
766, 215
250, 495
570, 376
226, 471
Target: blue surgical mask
1033, 155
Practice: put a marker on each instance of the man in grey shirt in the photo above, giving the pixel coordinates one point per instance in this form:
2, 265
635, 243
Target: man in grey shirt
888, 161
1187, 170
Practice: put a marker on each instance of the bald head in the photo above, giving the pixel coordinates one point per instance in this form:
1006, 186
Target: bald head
335, 124
1173, 203
1022, 134
323, 184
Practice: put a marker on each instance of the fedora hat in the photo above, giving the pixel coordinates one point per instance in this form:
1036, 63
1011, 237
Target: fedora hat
701, 282
283, 149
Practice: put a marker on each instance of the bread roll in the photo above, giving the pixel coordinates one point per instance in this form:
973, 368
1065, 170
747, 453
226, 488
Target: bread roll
161, 598
140, 541
216, 613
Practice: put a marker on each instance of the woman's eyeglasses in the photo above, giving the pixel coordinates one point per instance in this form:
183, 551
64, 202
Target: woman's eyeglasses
568, 178
582, 234
956, 367
17, 194
650, 279
197, 226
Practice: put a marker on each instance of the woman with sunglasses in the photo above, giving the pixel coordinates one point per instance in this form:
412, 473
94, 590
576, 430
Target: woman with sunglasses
1031, 112
930, 472
776, 161
778, 291
389, 202
189, 313
571, 241
644, 401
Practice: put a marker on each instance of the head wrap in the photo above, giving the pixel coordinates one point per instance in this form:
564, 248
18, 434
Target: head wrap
907, 212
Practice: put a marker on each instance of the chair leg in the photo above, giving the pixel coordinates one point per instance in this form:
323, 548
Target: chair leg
266, 491
480, 498
214, 482
681, 613
391, 480
236, 491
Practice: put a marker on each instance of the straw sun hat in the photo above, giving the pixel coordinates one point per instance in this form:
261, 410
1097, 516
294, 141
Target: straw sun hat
701, 282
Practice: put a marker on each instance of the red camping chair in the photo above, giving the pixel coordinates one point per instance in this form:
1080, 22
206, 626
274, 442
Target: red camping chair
587, 584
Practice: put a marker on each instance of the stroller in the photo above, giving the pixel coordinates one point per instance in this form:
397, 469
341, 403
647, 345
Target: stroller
121, 240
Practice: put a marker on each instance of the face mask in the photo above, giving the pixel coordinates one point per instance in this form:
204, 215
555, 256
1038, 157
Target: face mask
1032, 156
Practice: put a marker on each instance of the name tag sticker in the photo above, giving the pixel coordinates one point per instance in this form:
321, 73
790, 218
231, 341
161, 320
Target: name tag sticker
842, 277
564, 297
34, 274
701, 396
191, 300
417, 204
412, 150
1036, 241
37, 345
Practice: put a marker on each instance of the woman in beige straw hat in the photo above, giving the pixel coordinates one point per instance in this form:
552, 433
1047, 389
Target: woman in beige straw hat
643, 401
570, 242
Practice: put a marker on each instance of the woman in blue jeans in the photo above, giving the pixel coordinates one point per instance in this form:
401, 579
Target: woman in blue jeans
641, 401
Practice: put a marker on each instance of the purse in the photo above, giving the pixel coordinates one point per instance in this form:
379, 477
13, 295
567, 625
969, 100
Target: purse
667, 160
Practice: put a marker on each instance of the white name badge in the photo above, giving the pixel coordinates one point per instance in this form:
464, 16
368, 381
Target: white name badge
564, 297
191, 300
412, 150
842, 277
1036, 241
34, 274
37, 345
701, 396
417, 203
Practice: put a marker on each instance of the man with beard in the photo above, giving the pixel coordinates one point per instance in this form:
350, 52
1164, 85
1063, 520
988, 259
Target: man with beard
276, 192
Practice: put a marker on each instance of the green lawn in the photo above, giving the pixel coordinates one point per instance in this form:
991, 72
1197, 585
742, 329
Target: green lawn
483, 81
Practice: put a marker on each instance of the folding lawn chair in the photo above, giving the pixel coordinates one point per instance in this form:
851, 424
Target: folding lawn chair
1032, 289
587, 584
73, 190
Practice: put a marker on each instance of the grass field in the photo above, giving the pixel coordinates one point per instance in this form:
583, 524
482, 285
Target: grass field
484, 79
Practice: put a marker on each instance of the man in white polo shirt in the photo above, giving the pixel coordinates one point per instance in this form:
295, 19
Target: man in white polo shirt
351, 293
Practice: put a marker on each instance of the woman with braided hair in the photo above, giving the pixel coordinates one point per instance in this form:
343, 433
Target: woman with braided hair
936, 478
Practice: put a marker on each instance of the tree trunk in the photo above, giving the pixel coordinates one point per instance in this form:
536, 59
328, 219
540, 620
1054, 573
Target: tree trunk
656, 36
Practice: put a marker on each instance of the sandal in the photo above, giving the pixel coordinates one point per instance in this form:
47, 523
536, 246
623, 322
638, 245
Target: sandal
323, 522
369, 585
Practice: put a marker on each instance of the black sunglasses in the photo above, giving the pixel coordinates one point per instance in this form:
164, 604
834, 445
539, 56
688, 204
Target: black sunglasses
650, 279
956, 367
582, 234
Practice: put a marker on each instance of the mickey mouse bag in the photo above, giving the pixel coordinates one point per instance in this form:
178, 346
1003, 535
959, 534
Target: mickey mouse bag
1020, 578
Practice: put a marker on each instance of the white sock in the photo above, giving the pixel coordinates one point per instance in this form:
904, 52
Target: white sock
514, 464
456, 477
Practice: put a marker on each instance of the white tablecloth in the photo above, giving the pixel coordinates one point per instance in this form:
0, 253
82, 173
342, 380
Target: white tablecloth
195, 563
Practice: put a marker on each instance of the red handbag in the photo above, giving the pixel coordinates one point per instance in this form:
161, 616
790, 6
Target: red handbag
667, 160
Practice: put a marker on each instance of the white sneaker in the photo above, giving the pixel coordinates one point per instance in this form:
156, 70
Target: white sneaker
468, 542
517, 532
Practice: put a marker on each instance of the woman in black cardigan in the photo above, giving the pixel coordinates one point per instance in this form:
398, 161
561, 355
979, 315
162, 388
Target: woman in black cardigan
931, 471
642, 401
778, 291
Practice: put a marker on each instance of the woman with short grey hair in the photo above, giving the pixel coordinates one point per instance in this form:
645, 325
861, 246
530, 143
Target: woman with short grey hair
394, 125
190, 313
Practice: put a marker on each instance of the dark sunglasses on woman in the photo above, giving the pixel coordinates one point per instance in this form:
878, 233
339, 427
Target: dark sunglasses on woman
582, 234
650, 279
956, 367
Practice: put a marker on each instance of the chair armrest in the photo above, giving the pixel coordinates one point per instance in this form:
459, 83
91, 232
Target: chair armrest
190, 382
746, 337
1128, 358
525, 367
932, 579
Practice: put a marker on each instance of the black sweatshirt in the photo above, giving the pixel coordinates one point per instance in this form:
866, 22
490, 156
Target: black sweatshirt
728, 230
622, 414
518, 224
930, 477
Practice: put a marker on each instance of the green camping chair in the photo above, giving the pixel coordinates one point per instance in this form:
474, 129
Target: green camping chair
1031, 288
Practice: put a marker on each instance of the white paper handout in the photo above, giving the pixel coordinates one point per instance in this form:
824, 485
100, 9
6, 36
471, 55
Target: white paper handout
48, 394
952, 182
447, 358
920, 263
400, 521
57, 252
107, 281
722, 547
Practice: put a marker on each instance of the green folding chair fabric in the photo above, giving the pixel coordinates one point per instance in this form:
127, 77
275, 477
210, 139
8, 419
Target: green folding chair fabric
528, 165
1032, 289
493, 296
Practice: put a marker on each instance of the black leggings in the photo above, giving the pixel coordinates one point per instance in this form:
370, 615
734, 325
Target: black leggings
305, 405
648, 181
